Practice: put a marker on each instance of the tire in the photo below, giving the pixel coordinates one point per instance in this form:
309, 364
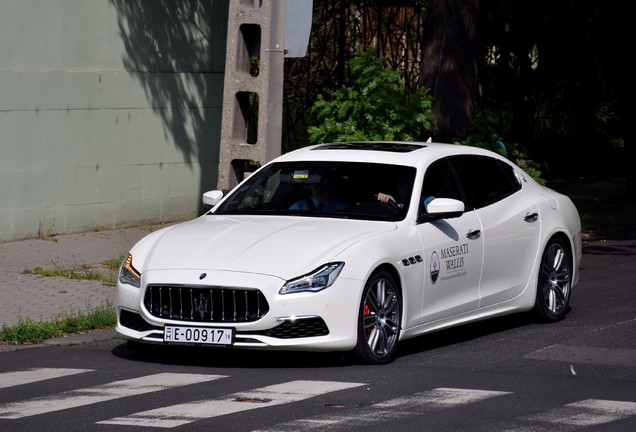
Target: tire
379, 319
554, 283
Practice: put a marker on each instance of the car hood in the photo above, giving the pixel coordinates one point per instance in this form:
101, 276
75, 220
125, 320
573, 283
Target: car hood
284, 247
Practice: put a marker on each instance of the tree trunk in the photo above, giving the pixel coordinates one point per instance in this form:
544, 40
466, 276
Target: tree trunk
451, 48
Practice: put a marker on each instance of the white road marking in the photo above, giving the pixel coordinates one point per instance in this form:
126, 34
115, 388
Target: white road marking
581, 414
106, 392
589, 412
441, 398
392, 409
177, 415
592, 355
27, 376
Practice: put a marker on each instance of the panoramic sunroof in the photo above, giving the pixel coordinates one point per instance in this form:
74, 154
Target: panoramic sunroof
377, 146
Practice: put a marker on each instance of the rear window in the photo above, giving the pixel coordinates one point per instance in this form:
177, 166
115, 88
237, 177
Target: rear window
486, 180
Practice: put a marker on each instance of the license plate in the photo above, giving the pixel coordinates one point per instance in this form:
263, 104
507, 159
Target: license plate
197, 335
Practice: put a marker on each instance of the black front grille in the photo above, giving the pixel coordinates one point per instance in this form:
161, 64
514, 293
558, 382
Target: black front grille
205, 304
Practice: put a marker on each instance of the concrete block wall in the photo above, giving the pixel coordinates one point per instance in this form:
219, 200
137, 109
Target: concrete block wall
110, 112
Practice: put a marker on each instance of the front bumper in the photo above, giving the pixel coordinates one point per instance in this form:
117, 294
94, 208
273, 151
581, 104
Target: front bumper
321, 321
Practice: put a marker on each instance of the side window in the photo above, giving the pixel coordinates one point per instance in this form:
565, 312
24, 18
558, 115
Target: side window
486, 180
440, 181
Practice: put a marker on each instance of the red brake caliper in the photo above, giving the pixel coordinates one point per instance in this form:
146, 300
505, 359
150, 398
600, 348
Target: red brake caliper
366, 311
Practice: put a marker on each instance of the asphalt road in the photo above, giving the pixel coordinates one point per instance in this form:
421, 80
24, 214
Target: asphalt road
500, 375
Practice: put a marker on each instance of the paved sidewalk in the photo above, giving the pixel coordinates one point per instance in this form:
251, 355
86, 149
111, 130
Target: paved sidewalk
44, 298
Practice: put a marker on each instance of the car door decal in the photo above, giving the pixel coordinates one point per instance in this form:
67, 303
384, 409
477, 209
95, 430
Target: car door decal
451, 260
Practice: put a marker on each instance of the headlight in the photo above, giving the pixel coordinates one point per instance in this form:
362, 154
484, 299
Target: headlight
128, 274
317, 280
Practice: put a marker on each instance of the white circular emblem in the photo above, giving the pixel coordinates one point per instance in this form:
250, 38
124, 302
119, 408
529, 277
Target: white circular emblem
434, 267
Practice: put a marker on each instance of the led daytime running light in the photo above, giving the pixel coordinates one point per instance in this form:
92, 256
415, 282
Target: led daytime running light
128, 266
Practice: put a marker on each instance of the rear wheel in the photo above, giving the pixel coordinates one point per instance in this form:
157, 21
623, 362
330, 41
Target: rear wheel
554, 284
379, 319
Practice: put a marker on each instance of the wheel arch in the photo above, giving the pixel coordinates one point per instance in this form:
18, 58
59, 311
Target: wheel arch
562, 236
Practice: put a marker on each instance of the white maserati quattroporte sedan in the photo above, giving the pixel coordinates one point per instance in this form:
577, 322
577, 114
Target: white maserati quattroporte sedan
355, 247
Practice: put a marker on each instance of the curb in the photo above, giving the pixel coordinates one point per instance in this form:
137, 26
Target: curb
69, 340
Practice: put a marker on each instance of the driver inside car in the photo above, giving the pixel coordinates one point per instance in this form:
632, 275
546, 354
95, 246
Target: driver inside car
323, 198
401, 196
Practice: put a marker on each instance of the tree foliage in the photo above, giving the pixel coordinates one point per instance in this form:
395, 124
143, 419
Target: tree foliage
552, 78
374, 106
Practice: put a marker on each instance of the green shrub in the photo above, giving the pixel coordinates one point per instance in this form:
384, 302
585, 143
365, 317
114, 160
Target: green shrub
374, 107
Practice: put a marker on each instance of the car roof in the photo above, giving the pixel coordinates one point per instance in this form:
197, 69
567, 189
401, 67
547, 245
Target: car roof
386, 152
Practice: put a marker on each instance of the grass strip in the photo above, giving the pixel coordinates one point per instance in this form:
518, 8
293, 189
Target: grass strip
28, 331
84, 274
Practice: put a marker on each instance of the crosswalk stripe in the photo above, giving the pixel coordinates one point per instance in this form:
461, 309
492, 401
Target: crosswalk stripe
110, 391
592, 355
177, 415
441, 398
585, 413
389, 410
589, 412
27, 376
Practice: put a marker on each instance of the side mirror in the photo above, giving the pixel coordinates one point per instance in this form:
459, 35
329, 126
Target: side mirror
212, 198
442, 208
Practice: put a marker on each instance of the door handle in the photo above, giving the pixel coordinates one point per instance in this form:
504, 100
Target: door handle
473, 234
531, 217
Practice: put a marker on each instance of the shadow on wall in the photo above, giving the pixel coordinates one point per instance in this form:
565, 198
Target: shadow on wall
176, 50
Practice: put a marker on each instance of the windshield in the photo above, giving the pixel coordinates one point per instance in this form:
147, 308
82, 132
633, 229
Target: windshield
325, 189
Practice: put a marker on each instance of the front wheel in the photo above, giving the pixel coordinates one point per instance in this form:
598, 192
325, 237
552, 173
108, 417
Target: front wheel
379, 319
555, 282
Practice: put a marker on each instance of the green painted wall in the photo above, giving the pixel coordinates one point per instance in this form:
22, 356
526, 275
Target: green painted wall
110, 112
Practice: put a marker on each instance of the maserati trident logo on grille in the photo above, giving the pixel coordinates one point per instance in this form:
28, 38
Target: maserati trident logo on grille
201, 305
